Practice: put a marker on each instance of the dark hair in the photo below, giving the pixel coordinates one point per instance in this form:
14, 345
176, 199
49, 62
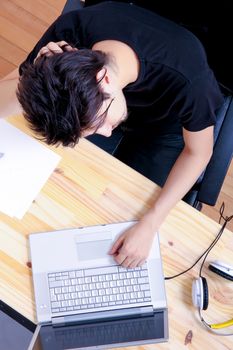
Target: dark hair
60, 96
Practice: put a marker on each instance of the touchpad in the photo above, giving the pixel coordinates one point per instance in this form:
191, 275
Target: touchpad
93, 246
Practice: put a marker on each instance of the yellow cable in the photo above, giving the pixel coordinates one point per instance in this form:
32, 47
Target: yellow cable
222, 325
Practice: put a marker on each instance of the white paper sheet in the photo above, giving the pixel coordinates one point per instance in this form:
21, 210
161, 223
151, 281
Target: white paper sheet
25, 166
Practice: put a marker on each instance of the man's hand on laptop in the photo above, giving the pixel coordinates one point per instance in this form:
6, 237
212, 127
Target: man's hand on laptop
133, 246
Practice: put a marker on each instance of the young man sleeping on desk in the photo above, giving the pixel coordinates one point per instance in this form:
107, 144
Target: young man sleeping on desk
135, 84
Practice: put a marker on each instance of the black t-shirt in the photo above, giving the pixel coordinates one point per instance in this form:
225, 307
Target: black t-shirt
175, 86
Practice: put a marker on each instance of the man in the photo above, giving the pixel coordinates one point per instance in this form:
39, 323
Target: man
121, 56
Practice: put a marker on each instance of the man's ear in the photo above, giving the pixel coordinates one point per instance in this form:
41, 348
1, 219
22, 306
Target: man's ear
103, 78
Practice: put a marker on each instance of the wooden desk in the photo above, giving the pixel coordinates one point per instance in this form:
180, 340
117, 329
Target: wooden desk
90, 187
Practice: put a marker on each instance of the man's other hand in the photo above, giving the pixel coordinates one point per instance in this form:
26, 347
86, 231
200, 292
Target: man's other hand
52, 48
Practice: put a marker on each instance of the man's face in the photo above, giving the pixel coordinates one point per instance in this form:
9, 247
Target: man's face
116, 112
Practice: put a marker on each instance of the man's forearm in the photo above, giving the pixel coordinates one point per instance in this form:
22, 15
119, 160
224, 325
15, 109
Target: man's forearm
183, 175
9, 104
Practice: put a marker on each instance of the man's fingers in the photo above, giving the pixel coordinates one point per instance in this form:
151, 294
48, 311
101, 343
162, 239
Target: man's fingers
116, 245
133, 264
68, 48
127, 262
62, 42
120, 258
52, 48
44, 50
141, 262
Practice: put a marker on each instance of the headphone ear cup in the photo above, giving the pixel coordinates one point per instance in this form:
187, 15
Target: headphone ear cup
200, 294
205, 293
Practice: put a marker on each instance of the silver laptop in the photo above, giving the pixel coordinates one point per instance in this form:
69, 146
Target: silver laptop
84, 300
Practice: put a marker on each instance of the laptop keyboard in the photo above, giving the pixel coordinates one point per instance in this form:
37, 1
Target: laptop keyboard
98, 287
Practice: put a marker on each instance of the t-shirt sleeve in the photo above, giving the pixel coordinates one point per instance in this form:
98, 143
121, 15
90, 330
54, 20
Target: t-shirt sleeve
63, 28
201, 101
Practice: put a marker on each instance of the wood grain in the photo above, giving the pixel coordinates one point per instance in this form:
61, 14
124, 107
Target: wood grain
21, 25
90, 187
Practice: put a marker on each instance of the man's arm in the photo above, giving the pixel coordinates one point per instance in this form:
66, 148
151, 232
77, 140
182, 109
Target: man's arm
8, 101
133, 246
186, 170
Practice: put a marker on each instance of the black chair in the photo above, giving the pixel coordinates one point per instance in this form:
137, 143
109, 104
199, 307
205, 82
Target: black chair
208, 186
72, 5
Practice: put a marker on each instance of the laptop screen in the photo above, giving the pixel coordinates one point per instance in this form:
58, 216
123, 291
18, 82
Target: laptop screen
140, 330
15, 330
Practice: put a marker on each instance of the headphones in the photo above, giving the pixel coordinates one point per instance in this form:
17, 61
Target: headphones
200, 294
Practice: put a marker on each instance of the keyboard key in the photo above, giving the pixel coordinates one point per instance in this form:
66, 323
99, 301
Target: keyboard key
113, 284
112, 297
147, 293
136, 288
145, 286
102, 292
120, 283
54, 284
87, 279
76, 307
108, 277
53, 297
64, 303
104, 304
140, 295
102, 278
62, 309
56, 304
55, 310
101, 271
95, 279
74, 295
79, 273
106, 298
78, 288
143, 280
91, 300
144, 273
72, 274
99, 299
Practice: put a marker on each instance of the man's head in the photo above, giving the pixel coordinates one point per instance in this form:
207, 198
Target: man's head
70, 95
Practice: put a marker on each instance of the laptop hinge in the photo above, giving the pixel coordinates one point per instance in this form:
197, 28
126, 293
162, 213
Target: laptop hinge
102, 315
